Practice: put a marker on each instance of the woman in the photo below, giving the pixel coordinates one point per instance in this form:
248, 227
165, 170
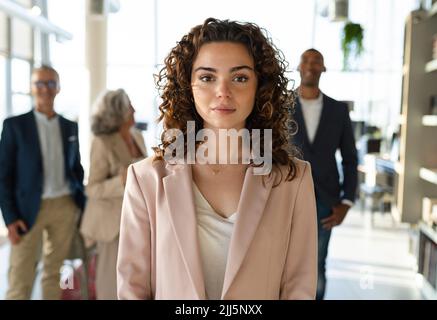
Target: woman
220, 231
115, 146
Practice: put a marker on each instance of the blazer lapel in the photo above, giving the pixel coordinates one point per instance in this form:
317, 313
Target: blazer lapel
183, 217
140, 142
64, 134
253, 200
34, 136
120, 149
323, 122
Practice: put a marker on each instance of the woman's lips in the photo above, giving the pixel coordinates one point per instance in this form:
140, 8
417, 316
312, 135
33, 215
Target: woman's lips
224, 109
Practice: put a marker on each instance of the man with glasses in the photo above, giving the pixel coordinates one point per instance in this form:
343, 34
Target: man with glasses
324, 127
41, 188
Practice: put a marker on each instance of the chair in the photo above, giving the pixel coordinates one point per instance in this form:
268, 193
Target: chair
380, 196
377, 186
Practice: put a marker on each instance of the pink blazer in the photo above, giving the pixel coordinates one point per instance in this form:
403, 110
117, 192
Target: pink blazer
272, 252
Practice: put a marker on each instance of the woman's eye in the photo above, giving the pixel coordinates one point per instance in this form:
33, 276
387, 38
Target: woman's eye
206, 78
241, 79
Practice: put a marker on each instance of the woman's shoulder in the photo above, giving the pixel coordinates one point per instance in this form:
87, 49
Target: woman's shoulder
149, 163
302, 167
104, 138
149, 166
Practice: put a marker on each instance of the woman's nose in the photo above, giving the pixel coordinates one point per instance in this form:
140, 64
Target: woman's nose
223, 90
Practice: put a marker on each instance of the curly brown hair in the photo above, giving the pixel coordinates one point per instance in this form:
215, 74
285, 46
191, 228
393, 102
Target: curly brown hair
273, 102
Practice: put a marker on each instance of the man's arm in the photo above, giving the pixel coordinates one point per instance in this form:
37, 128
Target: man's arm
8, 157
79, 174
350, 174
349, 159
78, 169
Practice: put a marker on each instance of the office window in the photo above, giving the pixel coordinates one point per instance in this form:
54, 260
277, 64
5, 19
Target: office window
69, 58
22, 39
3, 33
22, 35
21, 103
2, 90
20, 74
25, 3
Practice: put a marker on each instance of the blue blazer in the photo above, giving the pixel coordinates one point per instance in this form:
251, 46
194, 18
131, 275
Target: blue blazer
334, 132
21, 169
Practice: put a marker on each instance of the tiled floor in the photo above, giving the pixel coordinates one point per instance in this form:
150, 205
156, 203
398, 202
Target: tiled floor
364, 262
368, 261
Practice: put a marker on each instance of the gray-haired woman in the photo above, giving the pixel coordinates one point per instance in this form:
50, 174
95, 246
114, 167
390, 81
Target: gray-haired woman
116, 144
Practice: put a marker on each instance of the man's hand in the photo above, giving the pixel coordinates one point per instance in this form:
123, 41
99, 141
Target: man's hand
14, 230
338, 213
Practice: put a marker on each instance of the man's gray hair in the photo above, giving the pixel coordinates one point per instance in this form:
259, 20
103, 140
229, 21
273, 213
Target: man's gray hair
110, 112
45, 67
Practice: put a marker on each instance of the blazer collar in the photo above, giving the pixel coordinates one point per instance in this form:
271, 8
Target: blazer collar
137, 135
32, 133
65, 136
121, 150
253, 199
183, 216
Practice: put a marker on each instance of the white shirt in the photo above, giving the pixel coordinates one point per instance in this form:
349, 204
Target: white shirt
55, 183
214, 233
312, 110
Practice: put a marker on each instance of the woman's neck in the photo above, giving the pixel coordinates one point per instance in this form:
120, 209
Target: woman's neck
228, 148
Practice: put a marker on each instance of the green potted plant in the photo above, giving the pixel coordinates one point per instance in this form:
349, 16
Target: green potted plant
351, 42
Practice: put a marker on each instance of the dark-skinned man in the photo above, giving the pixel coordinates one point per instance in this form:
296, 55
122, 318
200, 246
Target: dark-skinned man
324, 127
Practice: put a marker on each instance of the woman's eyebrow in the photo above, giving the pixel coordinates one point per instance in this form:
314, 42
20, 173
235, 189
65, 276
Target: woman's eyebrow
240, 67
205, 69
233, 69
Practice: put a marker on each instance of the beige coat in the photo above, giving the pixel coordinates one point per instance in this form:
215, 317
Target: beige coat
272, 252
109, 154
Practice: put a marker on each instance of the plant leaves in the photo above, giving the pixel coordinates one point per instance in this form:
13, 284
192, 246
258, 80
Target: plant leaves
351, 42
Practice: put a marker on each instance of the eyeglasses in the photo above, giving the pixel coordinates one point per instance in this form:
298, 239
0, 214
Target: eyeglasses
50, 84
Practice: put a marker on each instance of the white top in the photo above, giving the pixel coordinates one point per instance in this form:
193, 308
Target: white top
214, 233
55, 183
312, 110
